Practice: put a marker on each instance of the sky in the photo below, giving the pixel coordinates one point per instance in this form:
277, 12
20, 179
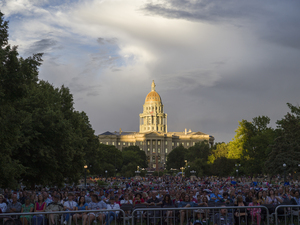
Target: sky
214, 62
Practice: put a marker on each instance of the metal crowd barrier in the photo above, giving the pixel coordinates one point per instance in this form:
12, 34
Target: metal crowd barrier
59, 217
155, 215
290, 214
223, 215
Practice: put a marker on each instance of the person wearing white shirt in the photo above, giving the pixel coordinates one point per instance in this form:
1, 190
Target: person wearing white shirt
126, 200
111, 214
69, 205
3, 205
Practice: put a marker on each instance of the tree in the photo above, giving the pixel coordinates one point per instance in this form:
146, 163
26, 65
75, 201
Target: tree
176, 158
251, 144
286, 147
43, 140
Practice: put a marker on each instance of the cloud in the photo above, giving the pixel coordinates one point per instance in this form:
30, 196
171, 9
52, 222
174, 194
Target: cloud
41, 46
214, 63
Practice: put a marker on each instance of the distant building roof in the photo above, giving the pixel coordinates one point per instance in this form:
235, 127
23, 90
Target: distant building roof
107, 133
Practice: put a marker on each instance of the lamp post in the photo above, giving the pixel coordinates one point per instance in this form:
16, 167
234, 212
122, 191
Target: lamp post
85, 167
105, 175
182, 168
237, 171
284, 166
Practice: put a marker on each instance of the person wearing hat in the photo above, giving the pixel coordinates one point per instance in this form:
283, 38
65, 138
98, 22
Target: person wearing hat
69, 205
111, 214
52, 207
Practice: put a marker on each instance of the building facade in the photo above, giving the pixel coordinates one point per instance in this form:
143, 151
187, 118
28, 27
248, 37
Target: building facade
153, 136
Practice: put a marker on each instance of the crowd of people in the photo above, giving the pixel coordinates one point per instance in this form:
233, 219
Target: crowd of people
165, 192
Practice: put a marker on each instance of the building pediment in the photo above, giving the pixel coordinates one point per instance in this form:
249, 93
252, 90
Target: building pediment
153, 134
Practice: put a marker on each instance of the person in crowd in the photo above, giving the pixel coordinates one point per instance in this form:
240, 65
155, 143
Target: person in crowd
185, 204
26, 207
255, 212
138, 199
296, 199
167, 203
239, 214
259, 198
54, 206
111, 214
273, 199
226, 199
153, 201
82, 205
249, 196
176, 201
264, 197
216, 197
200, 218
125, 200
69, 205
14, 206
39, 206
48, 200
223, 218
95, 204
3, 205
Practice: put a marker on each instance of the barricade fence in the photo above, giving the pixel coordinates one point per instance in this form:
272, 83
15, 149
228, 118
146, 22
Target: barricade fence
287, 215
101, 216
143, 215
226, 215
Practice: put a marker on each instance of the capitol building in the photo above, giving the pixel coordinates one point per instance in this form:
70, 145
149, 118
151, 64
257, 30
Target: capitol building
153, 136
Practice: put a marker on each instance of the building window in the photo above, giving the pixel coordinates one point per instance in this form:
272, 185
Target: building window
133, 143
158, 142
106, 143
166, 143
182, 143
193, 143
148, 149
153, 150
128, 143
166, 150
148, 142
154, 165
177, 143
153, 143
172, 143
113, 143
119, 143
124, 143
141, 143
153, 158
187, 144
141, 148
100, 142
158, 150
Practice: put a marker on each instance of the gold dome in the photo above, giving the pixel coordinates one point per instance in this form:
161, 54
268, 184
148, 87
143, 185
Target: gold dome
153, 96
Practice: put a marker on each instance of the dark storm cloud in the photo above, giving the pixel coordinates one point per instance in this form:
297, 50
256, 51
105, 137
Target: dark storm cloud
276, 21
41, 46
103, 41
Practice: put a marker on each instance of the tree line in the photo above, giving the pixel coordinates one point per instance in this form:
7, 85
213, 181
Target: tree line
257, 147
